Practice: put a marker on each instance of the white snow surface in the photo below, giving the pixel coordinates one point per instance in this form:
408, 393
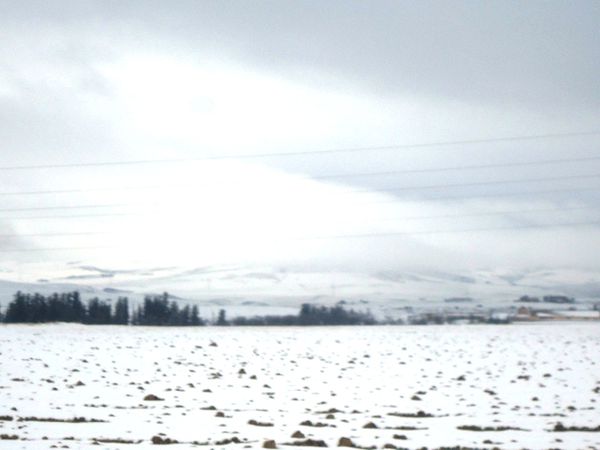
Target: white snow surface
525, 376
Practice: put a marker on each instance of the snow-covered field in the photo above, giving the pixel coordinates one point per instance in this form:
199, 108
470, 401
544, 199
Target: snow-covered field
405, 386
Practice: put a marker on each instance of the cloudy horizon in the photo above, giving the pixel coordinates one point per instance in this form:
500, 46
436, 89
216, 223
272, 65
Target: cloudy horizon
376, 139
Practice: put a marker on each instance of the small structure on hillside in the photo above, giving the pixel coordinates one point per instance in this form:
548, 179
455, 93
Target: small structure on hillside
525, 313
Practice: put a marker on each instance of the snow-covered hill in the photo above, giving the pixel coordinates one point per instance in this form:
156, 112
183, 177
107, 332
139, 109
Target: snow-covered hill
265, 290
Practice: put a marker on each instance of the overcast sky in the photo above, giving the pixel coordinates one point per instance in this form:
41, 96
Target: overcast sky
193, 82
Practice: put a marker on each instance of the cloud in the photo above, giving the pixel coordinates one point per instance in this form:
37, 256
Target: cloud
110, 81
534, 54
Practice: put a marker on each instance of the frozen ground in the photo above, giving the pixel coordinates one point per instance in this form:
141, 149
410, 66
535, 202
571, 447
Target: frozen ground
213, 381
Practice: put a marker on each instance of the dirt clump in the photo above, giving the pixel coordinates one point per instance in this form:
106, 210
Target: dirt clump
345, 442
157, 440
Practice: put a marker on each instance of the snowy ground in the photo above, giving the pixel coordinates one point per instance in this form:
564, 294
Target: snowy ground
527, 377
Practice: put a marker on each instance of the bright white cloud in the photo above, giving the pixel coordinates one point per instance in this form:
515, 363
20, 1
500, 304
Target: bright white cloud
198, 86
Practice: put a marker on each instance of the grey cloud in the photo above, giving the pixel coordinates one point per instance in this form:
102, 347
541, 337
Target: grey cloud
535, 54
504, 62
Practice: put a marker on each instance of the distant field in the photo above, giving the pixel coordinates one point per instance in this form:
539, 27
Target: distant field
511, 387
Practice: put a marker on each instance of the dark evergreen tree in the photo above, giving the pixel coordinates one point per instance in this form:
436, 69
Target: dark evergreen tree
222, 319
173, 314
155, 311
75, 311
98, 312
137, 318
121, 316
54, 308
17, 309
195, 317
37, 309
184, 316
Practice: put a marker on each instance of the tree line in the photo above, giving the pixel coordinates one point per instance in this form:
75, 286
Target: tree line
65, 307
158, 310
309, 315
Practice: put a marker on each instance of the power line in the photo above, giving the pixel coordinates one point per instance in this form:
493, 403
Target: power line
47, 208
493, 213
319, 177
117, 205
56, 249
309, 152
486, 183
79, 233
500, 195
347, 236
441, 216
74, 216
348, 191
399, 219
453, 168
472, 230
97, 189
471, 184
